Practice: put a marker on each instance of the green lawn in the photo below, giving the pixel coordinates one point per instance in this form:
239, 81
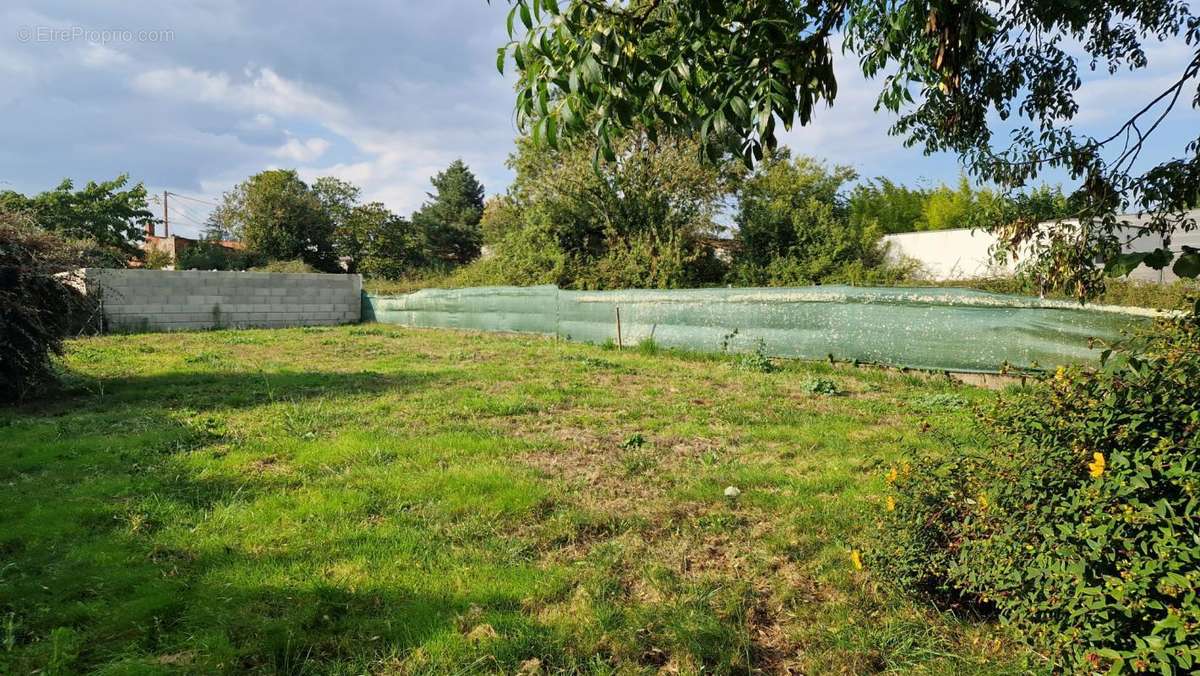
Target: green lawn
385, 500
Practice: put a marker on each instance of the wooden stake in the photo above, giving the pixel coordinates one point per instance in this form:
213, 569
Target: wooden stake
619, 345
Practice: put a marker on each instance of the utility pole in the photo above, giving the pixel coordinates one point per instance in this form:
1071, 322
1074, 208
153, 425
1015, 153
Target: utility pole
166, 218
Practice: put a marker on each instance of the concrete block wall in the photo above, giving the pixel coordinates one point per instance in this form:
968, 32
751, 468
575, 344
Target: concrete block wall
170, 300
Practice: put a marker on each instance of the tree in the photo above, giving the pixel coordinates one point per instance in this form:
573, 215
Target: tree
275, 214
794, 225
339, 198
389, 246
889, 206
106, 213
637, 222
946, 208
450, 219
730, 72
208, 254
501, 216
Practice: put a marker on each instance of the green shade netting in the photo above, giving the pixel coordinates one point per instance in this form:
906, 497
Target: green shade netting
927, 328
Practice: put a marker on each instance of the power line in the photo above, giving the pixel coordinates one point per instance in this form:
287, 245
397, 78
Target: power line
179, 212
195, 199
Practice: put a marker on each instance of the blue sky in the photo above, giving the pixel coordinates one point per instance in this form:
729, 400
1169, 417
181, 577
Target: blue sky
382, 93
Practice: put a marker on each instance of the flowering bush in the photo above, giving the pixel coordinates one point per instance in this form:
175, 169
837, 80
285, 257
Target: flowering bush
1082, 527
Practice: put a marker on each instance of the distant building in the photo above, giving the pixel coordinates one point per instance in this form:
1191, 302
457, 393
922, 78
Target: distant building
174, 245
948, 255
722, 248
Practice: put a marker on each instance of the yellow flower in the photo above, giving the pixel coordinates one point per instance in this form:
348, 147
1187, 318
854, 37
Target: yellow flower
1096, 466
891, 475
856, 559
982, 500
1060, 373
891, 504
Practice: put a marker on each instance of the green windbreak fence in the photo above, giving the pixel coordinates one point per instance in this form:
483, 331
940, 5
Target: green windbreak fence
938, 329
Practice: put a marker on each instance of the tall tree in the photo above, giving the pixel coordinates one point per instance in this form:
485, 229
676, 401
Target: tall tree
339, 198
450, 219
106, 212
794, 225
277, 215
732, 71
889, 205
390, 246
639, 222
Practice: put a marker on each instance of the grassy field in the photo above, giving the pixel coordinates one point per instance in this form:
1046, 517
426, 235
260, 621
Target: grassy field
382, 500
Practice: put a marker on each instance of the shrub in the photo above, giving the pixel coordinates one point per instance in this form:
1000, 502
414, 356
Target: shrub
157, 259
1082, 527
209, 255
285, 266
38, 304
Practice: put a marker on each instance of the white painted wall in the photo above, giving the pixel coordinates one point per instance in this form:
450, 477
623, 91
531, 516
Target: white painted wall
946, 255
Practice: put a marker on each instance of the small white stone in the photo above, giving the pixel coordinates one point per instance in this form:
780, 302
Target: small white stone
732, 492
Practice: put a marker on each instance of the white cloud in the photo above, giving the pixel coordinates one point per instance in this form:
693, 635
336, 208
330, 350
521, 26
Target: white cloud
261, 90
96, 55
260, 121
302, 151
392, 165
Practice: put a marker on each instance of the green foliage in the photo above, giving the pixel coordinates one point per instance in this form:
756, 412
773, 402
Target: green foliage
386, 245
294, 265
983, 62
209, 255
103, 212
794, 227
339, 199
887, 205
635, 440
501, 217
637, 222
896, 208
730, 72
962, 207
525, 257
38, 306
756, 361
1081, 527
276, 214
941, 401
450, 219
727, 70
157, 259
822, 386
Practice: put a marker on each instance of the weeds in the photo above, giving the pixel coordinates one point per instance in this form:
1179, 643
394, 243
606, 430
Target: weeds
756, 361
822, 386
